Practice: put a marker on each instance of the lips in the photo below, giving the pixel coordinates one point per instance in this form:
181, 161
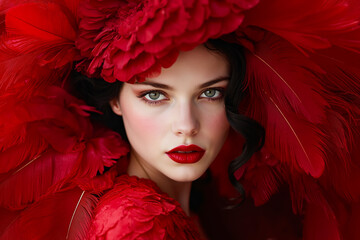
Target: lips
186, 154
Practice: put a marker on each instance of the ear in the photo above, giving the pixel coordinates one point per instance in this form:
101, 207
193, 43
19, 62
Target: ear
115, 106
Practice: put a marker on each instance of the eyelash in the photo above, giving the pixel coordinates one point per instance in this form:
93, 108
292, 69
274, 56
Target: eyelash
143, 94
219, 89
154, 102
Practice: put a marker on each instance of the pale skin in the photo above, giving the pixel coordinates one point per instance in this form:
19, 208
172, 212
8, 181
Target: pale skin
183, 105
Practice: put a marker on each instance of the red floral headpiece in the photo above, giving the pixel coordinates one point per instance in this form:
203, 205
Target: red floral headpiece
131, 40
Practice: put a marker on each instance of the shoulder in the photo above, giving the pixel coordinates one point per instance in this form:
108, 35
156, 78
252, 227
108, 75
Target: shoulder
137, 209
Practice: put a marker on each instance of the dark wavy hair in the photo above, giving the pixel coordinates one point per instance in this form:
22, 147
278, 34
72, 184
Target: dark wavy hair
98, 93
251, 130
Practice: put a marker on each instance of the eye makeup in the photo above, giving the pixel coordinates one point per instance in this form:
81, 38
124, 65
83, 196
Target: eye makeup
218, 94
156, 96
147, 98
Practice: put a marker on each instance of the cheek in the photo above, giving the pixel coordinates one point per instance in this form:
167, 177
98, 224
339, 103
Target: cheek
140, 126
217, 126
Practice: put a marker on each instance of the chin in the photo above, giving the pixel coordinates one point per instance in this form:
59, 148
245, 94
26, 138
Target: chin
186, 174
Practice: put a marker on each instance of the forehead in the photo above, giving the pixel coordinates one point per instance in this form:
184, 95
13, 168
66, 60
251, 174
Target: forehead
197, 66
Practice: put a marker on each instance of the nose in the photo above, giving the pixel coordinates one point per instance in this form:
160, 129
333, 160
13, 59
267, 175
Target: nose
186, 121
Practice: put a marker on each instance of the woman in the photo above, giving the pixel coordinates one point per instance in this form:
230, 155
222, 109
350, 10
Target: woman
176, 123
176, 118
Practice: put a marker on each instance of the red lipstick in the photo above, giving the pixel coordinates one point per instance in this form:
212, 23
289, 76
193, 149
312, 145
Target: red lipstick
186, 154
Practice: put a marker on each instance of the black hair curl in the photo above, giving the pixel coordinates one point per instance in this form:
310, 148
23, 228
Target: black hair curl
251, 130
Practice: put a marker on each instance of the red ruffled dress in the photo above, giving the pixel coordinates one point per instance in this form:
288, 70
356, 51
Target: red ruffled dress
137, 209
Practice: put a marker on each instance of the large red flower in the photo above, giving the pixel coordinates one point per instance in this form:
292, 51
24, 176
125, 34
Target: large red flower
131, 40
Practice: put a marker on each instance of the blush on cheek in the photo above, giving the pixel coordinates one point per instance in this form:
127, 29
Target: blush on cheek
217, 129
142, 123
219, 122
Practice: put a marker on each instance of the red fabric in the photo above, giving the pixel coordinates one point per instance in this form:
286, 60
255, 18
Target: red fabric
137, 209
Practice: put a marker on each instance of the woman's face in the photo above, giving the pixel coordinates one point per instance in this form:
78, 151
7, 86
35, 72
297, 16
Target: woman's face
176, 122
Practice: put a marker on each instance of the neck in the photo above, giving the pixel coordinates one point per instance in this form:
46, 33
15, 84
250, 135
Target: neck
180, 191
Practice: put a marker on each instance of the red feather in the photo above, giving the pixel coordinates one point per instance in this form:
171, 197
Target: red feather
70, 148
32, 77
330, 139
319, 225
294, 139
102, 182
342, 79
262, 176
287, 103
308, 26
64, 215
36, 20
342, 128
34, 178
342, 172
39, 46
29, 147
73, 5
6, 218
351, 229
287, 76
304, 189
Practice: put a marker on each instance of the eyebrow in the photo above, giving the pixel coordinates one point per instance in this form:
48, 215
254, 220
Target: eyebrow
167, 87
216, 80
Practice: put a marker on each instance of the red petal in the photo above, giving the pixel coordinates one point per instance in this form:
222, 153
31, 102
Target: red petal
147, 33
